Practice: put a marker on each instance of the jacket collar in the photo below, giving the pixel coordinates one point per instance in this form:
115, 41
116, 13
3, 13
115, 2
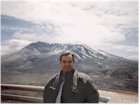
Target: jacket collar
75, 78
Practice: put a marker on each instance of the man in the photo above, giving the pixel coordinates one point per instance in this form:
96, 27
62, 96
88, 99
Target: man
70, 86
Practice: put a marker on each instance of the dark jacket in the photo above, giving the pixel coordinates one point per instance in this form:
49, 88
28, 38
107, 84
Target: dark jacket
77, 88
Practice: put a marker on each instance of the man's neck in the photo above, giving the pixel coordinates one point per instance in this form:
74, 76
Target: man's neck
68, 72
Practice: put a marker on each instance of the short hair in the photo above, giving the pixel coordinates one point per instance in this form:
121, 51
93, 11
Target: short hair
65, 54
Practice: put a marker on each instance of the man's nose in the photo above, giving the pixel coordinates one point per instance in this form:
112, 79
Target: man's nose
67, 63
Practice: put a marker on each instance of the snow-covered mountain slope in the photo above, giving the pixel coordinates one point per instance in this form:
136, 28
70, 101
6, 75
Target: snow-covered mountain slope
43, 57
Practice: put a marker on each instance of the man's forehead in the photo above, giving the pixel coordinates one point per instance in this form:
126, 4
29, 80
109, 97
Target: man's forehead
67, 57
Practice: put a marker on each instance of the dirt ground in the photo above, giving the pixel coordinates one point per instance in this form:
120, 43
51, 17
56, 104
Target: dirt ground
41, 80
116, 97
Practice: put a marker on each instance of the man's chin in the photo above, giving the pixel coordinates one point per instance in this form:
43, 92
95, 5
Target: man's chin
67, 70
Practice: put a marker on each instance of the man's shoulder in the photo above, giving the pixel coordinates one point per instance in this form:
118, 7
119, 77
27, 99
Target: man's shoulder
52, 80
83, 76
55, 76
86, 79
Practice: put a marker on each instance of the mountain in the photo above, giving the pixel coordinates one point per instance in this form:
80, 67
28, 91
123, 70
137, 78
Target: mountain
42, 57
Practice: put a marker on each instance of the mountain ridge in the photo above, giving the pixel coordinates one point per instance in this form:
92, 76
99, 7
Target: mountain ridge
39, 52
43, 57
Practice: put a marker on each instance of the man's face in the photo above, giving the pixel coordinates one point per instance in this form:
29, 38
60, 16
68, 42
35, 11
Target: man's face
66, 63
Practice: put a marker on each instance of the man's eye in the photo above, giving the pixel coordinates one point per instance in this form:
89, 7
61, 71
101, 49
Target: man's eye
64, 61
69, 61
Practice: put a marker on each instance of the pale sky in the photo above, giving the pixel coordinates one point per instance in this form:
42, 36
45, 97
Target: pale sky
111, 26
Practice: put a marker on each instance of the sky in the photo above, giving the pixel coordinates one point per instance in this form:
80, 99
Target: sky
109, 25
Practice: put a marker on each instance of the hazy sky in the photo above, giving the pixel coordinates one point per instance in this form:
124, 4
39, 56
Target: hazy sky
111, 26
